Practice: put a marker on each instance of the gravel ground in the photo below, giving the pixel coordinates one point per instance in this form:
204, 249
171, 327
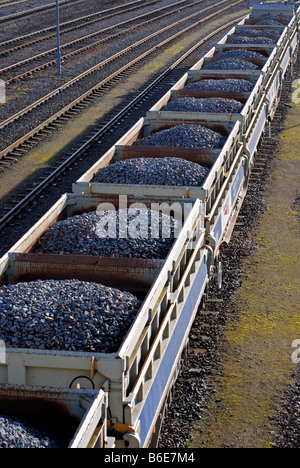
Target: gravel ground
153, 171
6, 10
67, 315
104, 234
17, 434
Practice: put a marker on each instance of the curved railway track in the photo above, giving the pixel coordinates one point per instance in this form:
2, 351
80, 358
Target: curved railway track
97, 70
169, 75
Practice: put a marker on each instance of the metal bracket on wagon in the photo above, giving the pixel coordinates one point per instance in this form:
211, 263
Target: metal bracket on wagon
216, 269
210, 243
128, 433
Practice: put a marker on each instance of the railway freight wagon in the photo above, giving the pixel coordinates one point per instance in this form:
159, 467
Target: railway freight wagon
131, 373
61, 418
136, 376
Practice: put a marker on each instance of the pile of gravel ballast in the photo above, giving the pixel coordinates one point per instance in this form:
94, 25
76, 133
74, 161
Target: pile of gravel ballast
227, 85
241, 53
207, 105
16, 434
154, 171
250, 40
231, 64
124, 233
67, 315
184, 136
269, 22
257, 32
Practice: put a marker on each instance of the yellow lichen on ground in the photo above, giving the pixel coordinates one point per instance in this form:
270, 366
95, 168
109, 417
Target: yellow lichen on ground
258, 344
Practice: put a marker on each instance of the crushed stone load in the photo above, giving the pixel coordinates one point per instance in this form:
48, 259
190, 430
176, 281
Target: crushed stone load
241, 53
184, 136
250, 40
208, 105
271, 16
256, 32
67, 315
17, 434
136, 233
269, 22
154, 171
226, 85
231, 64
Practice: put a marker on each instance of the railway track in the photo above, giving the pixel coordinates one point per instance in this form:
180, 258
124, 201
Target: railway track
155, 15
163, 80
97, 71
28, 40
5, 20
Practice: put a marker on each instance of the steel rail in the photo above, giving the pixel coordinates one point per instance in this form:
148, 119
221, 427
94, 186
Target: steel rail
107, 127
